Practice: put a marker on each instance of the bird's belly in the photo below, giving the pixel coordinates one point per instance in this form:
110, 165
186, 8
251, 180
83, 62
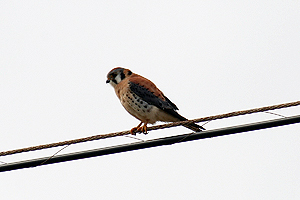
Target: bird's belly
143, 111
139, 108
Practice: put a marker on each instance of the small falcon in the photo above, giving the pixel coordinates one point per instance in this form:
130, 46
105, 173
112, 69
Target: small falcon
143, 100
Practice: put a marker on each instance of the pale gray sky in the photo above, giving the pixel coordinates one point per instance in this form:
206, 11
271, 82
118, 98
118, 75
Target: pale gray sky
208, 57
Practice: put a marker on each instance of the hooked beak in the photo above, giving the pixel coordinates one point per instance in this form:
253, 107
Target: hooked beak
107, 81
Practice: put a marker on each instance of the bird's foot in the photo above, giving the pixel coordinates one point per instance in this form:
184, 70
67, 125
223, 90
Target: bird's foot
133, 130
143, 129
139, 128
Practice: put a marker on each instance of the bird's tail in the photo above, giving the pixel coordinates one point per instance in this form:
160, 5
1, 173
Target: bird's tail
194, 127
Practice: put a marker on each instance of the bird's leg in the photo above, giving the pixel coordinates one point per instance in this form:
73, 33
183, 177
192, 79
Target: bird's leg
132, 131
143, 129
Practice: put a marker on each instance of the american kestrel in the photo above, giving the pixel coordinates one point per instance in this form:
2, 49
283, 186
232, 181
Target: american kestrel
143, 100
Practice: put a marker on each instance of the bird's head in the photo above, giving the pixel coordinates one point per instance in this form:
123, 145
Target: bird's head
116, 75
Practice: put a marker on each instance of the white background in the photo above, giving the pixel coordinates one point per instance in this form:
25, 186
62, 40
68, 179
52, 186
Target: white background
208, 57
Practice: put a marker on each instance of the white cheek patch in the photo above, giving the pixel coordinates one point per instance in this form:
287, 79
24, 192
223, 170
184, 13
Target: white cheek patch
118, 78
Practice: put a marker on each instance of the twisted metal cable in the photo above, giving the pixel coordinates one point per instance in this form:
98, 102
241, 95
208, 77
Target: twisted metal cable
168, 125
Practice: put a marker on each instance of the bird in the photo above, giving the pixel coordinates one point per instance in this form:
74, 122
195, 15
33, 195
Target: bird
143, 100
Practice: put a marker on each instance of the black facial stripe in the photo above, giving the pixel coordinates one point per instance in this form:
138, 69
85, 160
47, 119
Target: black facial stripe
122, 75
114, 80
129, 72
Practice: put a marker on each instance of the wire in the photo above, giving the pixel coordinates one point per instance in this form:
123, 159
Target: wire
168, 125
150, 143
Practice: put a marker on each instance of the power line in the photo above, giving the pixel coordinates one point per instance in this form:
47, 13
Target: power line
150, 143
168, 125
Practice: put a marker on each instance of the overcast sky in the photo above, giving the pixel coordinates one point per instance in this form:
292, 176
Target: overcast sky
208, 57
